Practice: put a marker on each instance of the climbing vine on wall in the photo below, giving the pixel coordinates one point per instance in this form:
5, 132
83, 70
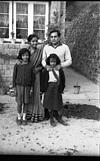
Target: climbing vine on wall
84, 35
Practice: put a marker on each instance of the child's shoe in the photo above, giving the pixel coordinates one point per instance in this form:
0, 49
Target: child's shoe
53, 123
18, 121
24, 122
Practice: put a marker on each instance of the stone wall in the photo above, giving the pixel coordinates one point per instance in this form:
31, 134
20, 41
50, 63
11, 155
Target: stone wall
8, 54
83, 38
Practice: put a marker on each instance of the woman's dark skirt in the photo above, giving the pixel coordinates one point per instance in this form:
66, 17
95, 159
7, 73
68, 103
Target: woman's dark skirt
52, 97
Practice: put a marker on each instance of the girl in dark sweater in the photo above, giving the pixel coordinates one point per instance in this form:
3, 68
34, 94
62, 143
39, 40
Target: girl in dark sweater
52, 85
23, 79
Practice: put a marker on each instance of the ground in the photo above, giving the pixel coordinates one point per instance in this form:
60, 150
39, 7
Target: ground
80, 138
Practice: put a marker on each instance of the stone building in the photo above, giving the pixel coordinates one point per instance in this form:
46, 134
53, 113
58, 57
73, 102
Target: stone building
18, 19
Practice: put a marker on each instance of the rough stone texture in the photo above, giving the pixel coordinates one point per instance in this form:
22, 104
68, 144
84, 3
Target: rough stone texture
7, 61
83, 40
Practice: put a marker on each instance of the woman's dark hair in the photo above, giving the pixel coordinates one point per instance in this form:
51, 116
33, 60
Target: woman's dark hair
54, 30
55, 57
30, 37
21, 52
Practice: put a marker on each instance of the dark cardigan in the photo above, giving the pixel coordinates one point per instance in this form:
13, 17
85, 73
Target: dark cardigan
23, 75
45, 77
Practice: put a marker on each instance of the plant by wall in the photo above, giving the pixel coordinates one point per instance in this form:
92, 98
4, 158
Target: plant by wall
84, 34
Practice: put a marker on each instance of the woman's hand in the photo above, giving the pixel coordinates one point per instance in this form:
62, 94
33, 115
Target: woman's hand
31, 90
37, 69
18, 62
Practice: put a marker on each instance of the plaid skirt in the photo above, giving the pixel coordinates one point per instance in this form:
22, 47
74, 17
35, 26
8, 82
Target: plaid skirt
53, 98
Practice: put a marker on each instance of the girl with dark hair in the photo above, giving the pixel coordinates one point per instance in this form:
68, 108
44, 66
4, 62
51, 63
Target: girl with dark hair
53, 84
35, 110
23, 79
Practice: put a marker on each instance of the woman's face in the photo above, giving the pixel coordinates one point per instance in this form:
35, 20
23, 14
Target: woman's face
34, 42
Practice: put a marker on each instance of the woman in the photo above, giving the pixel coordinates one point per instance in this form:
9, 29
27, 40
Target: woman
35, 111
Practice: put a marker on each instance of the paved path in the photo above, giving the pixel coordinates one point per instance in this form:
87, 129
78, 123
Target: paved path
89, 91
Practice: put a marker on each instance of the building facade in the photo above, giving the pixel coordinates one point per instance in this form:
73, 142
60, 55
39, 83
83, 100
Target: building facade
18, 19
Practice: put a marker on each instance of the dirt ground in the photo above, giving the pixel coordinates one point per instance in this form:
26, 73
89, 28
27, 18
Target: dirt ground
80, 138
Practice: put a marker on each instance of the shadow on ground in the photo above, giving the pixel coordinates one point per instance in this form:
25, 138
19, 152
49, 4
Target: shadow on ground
3, 107
81, 111
72, 110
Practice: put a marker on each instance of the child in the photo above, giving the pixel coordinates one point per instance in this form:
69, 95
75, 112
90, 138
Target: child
23, 79
53, 84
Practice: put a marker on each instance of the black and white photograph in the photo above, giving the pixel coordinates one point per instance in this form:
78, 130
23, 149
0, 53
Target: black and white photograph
50, 78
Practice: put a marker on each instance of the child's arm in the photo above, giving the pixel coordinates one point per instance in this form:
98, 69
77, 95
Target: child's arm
48, 68
14, 75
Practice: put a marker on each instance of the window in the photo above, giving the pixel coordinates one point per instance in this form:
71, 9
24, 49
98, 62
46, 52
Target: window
5, 19
23, 18
39, 19
30, 17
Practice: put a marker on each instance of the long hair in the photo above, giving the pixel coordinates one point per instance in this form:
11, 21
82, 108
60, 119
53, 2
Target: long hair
53, 55
21, 52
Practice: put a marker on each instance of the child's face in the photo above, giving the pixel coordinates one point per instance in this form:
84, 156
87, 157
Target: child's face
25, 57
34, 42
52, 62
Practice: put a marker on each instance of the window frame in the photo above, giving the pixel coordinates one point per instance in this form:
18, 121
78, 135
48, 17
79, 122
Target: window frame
12, 18
30, 18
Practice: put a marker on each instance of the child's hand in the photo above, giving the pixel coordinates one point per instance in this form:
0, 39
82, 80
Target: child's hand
48, 67
37, 69
14, 90
58, 67
31, 90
